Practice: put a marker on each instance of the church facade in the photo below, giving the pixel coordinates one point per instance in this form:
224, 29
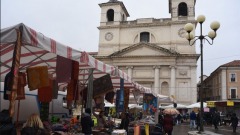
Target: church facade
154, 52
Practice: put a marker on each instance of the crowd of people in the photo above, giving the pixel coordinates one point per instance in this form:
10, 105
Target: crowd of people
215, 120
166, 122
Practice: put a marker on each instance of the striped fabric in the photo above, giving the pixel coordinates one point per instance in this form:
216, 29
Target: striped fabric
38, 50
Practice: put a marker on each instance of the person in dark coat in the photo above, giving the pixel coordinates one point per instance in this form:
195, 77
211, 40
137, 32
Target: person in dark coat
168, 124
216, 119
34, 126
179, 118
6, 125
234, 121
158, 128
87, 122
198, 120
124, 121
34, 131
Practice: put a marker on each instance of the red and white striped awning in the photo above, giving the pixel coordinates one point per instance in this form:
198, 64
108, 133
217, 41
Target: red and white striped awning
39, 50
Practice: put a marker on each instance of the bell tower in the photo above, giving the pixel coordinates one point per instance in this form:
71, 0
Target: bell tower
182, 9
113, 12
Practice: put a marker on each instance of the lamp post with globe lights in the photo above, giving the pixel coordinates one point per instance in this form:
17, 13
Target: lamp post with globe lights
209, 38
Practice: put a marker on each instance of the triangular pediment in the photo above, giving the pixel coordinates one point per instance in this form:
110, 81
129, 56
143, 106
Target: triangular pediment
144, 49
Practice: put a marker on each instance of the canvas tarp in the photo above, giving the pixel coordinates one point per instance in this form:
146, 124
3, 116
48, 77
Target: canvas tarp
179, 106
197, 105
39, 50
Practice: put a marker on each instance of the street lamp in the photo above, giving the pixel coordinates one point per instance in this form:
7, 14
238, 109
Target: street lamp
189, 36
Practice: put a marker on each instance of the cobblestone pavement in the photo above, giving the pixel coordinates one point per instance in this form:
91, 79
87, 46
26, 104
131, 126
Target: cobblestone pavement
183, 129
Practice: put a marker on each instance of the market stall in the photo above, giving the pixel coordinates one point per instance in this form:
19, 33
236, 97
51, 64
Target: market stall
37, 49
25, 51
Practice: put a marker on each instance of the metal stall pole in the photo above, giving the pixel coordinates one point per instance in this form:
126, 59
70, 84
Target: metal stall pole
90, 90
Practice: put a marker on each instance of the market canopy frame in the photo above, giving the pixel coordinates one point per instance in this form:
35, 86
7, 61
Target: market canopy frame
40, 50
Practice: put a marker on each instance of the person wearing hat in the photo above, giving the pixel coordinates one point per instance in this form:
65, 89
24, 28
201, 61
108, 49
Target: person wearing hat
87, 122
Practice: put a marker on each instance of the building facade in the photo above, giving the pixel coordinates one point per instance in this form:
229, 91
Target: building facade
224, 83
154, 52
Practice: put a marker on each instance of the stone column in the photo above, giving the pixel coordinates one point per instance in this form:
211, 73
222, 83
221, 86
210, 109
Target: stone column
156, 88
129, 70
173, 83
156, 79
90, 90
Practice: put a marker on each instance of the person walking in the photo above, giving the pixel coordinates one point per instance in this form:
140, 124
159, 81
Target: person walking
87, 122
179, 119
234, 121
216, 119
124, 121
198, 120
168, 124
158, 128
192, 119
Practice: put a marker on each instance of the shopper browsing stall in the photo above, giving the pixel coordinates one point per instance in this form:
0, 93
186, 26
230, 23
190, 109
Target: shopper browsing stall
34, 126
87, 122
101, 122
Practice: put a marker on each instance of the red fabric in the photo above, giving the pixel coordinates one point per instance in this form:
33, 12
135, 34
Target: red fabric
168, 123
71, 90
63, 69
69, 104
75, 70
22, 82
126, 99
45, 94
74, 80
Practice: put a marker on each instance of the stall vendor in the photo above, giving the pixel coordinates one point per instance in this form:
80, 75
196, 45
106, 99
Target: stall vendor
101, 122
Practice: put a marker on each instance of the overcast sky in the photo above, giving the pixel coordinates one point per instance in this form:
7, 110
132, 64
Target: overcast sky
74, 23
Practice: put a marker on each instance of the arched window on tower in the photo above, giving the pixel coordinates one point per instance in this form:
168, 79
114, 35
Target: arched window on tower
110, 15
182, 9
144, 37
